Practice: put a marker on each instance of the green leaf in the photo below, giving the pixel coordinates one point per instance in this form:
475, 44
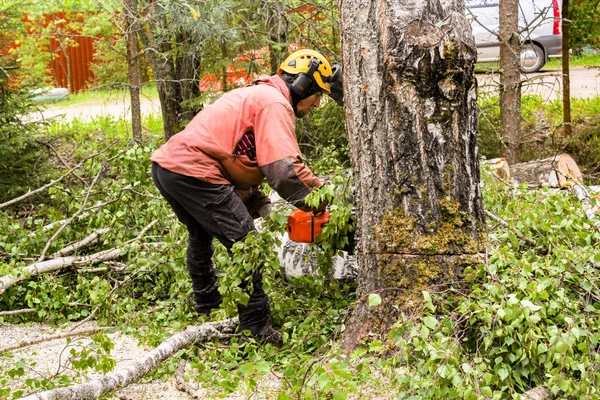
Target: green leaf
247, 369
340, 395
502, 373
430, 322
561, 347
374, 300
486, 390
324, 381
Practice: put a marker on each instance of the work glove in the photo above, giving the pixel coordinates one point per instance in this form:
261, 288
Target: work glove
258, 204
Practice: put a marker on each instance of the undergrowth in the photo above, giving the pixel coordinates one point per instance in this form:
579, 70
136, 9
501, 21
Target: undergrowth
531, 317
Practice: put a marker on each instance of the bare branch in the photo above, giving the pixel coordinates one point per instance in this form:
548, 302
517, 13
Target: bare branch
91, 239
28, 343
17, 312
54, 182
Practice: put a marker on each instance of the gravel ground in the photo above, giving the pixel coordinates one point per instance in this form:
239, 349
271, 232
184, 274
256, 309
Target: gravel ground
48, 357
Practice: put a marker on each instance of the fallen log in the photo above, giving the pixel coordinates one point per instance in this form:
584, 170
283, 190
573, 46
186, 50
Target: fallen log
556, 172
119, 379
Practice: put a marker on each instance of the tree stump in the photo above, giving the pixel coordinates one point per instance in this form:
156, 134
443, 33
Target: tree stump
556, 172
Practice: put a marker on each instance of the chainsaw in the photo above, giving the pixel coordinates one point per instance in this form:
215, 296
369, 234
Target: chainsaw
305, 227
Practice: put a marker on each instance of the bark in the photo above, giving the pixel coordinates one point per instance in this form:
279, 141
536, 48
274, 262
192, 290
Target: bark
557, 172
566, 46
130, 8
125, 376
412, 123
510, 79
277, 25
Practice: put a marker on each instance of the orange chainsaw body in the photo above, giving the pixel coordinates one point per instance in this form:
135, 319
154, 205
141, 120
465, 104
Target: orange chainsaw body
306, 226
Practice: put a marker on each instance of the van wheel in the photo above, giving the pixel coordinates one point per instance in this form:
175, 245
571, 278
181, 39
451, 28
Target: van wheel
532, 58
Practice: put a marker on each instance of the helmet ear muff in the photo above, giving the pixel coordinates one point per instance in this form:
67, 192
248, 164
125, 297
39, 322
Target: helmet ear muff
304, 81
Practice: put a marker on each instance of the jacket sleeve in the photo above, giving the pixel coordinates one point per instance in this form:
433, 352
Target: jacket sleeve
278, 154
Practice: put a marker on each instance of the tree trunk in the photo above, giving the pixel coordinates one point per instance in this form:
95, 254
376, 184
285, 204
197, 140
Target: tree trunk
164, 70
510, 79
188, 65
411, 112
566, 44
277, 25
133, 67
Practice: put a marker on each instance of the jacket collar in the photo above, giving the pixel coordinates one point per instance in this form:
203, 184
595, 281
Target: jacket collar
276, 82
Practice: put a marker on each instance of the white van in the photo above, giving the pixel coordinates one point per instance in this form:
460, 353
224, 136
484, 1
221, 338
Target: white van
539, 23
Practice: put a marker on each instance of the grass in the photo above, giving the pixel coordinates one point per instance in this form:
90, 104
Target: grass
590, 60
95, 96
586, 60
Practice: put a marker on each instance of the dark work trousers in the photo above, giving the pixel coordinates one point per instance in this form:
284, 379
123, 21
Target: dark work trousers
212, 211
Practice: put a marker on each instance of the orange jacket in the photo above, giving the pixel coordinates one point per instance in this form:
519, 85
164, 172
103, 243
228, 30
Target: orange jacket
213, 147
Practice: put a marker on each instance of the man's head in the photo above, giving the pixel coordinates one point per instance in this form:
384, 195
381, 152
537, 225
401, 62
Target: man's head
308, 75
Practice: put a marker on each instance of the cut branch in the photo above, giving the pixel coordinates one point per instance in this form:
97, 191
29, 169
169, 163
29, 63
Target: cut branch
84, 332
17, 312
125, 376
54, 182
49, 242
584, 197
515, 231
91, 239
55, 264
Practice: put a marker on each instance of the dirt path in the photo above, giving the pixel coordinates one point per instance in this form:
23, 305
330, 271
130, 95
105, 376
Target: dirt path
87, 112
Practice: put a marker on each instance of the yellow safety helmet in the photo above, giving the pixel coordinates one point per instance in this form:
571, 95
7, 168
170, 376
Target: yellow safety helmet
308, 65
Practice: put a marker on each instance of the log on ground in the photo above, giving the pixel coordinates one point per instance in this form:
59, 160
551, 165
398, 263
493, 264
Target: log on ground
123, 377
556, 172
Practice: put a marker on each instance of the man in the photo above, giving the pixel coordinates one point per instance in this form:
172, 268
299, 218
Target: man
210, 172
